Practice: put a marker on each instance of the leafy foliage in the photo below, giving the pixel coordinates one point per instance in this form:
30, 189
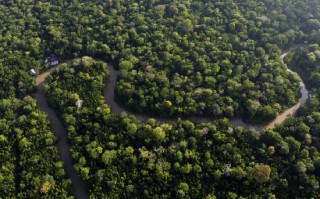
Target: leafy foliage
30, 165
175, 58
121, 157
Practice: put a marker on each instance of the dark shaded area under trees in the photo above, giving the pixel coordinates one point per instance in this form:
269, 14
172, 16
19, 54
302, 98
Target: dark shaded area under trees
121, 157
175, 58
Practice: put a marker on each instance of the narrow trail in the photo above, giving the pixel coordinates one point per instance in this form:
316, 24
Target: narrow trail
78, 187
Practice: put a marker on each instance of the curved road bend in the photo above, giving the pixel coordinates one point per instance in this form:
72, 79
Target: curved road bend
117, 108
78, 187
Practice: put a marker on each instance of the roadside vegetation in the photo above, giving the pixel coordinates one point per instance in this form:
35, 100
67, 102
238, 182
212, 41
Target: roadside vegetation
121, 157
175, 58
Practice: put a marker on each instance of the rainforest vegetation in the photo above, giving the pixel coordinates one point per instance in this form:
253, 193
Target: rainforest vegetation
306, 61
121, 157
175, 58
30, 162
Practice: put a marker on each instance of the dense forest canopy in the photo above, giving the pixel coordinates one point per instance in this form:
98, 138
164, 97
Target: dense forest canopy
30, 162
121, 157
307, 62
175, 58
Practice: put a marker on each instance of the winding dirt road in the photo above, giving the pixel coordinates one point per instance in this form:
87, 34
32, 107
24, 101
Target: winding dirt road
79, 188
